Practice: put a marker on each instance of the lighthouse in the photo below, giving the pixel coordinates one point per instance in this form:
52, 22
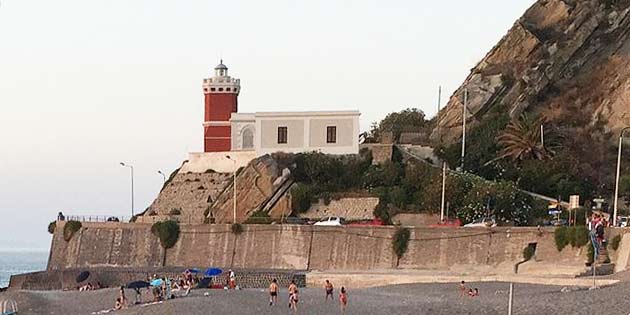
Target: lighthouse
221, 100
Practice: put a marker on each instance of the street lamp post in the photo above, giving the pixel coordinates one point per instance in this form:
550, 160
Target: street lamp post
234, 206
464, 127
617, 177
163, 177
131, 168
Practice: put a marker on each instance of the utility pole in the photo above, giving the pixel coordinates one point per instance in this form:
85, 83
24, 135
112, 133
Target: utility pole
464, 127
617, 177
443, 191
234, 186
439, 135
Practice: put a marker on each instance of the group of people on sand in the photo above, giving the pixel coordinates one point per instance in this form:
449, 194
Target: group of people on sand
90, 287
465, 291
294, 292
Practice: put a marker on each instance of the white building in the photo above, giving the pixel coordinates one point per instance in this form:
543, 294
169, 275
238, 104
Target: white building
330, 132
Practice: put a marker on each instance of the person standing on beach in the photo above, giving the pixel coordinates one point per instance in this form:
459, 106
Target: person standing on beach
273, 292
343, 300
232, 283
292, 289
329, 290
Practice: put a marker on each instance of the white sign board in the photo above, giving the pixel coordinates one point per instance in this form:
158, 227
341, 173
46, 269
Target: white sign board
574, 202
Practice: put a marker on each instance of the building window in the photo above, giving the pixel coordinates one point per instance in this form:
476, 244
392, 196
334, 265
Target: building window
227, 89
282, 134
213, 89
220, 89
331, 134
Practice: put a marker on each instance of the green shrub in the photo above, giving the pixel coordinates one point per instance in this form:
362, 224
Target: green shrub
561, 237
614, 243
237, 228
167, 232
578, 236
52, 226
259, 217
301, 197
400, 243
70, 228
529, 251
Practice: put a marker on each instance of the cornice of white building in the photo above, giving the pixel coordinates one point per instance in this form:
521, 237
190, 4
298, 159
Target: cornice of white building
309, 113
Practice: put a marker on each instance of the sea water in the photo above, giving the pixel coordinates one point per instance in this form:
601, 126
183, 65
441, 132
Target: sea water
16, 262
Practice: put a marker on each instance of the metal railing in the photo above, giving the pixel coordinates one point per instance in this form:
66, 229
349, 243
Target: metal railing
96, 218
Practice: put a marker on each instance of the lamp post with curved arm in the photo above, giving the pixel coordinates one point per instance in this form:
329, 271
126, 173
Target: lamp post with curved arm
131, 168
615, 201
163, 176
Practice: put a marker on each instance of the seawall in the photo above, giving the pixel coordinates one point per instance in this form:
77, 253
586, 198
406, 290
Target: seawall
293, 247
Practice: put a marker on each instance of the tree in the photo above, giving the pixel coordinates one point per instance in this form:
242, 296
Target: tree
521, 140
410, 119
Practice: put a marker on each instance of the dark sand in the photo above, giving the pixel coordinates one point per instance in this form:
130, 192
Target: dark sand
401, 299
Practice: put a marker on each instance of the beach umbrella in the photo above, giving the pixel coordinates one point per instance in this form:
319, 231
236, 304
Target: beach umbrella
83, 276
137, 284
193, 270
156, 282
213, 272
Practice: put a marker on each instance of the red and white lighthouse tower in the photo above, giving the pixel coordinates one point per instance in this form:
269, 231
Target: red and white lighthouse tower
221, 100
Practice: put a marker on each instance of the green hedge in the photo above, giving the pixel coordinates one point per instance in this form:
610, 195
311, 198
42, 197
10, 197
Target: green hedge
167, 232
70, 228
577, 236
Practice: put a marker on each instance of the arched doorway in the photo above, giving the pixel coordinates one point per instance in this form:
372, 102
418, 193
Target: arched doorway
247, 139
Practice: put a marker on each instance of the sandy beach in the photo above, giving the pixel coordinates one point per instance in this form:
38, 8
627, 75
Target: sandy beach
399, 299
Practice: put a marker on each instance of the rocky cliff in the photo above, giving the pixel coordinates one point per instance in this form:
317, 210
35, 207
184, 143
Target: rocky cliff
565, 59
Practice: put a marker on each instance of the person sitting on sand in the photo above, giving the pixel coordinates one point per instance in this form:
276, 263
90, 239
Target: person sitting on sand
273, 292
473, 293
462, 288
343, 300
329, 290
123, 298
118, 304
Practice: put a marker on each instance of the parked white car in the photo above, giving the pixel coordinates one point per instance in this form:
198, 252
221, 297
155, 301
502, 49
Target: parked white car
484, 222
331, 221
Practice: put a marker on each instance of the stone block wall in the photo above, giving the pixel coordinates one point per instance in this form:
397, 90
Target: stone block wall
356, 208
300, 247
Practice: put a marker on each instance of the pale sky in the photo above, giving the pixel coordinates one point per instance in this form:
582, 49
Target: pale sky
85, 84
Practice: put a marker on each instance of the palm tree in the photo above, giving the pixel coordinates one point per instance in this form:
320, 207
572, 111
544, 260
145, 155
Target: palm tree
521, 140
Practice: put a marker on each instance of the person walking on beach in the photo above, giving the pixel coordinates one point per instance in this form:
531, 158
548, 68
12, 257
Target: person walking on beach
329, 290
273, 292
462, 288
294, 301
343, 300
292, 288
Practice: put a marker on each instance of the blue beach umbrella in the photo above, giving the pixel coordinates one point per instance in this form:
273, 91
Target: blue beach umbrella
193, 270
156, 282
213, 272
137, 284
